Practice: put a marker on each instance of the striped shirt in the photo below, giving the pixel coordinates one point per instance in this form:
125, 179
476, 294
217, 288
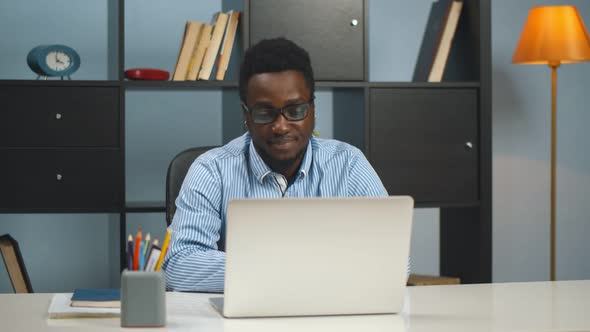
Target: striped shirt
329, 169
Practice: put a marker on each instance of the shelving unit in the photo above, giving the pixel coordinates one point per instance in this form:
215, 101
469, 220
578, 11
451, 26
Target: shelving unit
415, 149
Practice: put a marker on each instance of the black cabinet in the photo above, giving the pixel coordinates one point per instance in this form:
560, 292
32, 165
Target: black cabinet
332, 31
60, 148
44, 116
60, 178
424, 143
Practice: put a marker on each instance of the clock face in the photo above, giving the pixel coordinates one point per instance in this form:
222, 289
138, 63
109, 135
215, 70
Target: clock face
53, 60
58, 61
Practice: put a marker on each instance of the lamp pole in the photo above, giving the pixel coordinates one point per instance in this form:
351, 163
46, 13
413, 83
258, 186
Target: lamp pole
553, 66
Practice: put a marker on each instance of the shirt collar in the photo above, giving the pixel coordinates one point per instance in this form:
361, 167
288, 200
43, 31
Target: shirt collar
261, 170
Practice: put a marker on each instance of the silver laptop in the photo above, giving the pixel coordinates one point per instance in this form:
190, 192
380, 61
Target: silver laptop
316, 256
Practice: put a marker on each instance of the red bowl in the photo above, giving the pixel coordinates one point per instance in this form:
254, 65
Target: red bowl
147, 74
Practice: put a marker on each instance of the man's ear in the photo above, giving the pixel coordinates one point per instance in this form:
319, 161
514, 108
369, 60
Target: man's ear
244, 115
312, 110
245, 118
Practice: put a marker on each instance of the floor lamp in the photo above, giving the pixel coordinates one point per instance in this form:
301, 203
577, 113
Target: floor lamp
553, 35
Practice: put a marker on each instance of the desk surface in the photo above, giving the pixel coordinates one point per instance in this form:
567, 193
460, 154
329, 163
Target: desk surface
535, 306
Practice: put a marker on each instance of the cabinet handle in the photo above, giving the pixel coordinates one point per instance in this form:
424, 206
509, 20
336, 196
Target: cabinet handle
59, 177
469, 145
354, 22
58, 116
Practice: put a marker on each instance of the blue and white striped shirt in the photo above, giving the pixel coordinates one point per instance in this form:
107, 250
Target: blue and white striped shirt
329, 169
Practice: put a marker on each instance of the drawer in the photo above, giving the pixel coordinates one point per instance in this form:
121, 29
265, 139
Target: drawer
54, 179
323, 28
424, 143
65, 116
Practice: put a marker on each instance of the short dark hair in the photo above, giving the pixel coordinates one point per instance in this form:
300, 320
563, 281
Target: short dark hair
275, 55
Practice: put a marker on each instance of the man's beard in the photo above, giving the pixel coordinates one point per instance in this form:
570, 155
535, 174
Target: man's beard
278, 165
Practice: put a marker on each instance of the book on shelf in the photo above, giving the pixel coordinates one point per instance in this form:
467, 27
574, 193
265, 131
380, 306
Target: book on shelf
96, 298
445, 41
15, 265
189, 41
199, 52
437, 41
219, 22
227, 45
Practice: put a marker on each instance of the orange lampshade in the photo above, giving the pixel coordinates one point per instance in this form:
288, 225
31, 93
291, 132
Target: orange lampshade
553, 35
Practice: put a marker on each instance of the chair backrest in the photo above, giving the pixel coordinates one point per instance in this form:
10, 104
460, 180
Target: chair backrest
176, 174
15, 266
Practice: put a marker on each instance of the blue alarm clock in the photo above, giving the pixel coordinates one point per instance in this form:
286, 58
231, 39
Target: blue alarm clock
53, 60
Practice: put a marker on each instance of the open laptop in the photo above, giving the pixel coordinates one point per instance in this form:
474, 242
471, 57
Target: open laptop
316, 256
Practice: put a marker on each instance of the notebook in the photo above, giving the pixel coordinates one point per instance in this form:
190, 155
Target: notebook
316, 256
98, 298
60, 308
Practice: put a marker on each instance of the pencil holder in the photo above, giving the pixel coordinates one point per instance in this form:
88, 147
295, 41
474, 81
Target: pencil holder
143, 299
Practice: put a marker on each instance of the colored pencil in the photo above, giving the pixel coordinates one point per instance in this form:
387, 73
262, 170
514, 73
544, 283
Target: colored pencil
136, 250
146, 246
130, 252
152, 258
164, 249
141, 256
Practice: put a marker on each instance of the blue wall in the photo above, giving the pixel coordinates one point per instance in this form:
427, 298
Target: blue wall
521, 156
28, 23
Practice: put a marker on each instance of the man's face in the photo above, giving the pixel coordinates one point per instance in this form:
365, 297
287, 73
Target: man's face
281, 141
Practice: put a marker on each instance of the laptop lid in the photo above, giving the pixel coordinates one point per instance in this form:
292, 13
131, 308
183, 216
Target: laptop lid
316, 256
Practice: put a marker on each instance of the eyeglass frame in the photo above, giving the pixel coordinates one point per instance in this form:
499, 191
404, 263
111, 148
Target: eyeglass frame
279, 111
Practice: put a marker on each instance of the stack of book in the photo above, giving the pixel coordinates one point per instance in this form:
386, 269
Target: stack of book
86, 303
203, 44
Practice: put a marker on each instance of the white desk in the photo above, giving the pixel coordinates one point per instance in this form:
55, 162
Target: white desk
539, 306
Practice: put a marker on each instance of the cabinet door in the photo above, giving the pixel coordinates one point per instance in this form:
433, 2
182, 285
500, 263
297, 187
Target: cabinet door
57, 179
423, 143
324, 28
43, 116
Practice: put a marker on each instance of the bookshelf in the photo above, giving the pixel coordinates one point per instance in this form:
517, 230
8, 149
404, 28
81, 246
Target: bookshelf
454, 177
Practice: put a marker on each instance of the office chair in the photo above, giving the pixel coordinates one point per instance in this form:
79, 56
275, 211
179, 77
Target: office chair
15, 266
176, 173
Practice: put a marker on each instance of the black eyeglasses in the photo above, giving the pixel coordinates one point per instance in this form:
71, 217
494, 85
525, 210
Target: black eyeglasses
265, 114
